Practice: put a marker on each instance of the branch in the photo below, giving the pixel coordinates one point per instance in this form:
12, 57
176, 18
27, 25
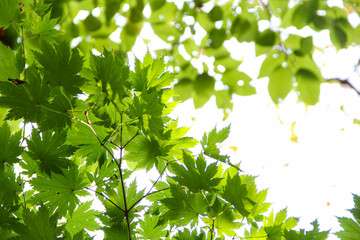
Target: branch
344, 82
148, 193
121, 177
103, 195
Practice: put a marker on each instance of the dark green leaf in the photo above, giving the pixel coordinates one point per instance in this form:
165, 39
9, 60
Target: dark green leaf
50, 151
60, 191
9, 146
9, 13
196, 178
308, 86
61, 66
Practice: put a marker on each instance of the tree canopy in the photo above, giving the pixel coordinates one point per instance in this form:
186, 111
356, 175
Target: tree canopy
90, 122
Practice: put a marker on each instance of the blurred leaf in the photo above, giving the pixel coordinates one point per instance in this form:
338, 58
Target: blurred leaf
92, 23
308, 86
278, 8
280, 83
239, 83
216, 14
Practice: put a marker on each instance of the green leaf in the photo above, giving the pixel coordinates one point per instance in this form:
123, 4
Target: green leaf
44, 28
184, 207
236, 193
111, 73
156, 4
351, 229
25, 100
280, 83
89, 146
10, 65
216, 14
266, 38
278, 8
147, 152
40, 225
60, 191
111, 7
187, 235
50, 151
92, 23
61, 65
196, 178
244, 29
9, 13
82, 218
9, 146
314, 234
217, 37
239, 83
209, 142
308, 86
9, 194
150, 228
271, 62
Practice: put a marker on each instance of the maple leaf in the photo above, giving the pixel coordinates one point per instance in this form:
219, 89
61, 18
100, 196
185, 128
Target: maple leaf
147, 152
59, 192
44, 27
111, 72
9, 13
88, 145
210, 140
11, 64
40, 225
187, 235
50, 151
83, 217
196, 178
314, 234
351, 228
61, 65
151, 229
9, 145
25, 100
236, 193
184, 207
10, 188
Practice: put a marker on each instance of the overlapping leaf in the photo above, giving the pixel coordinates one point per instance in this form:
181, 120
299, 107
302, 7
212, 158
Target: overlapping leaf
9, 145
61, 65
9, 13
25, 100
50, 150
40, 225
82, 218
209, 142
196, 177
60, 191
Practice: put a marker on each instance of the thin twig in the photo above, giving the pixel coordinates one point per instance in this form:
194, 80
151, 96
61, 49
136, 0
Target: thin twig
148, 193
137, 133
103, 195
344, 82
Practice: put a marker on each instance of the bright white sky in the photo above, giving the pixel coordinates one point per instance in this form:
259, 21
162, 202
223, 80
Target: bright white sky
314, 177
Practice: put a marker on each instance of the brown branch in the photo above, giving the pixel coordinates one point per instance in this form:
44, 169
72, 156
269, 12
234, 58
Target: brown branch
148, 193
344, 82
103, 195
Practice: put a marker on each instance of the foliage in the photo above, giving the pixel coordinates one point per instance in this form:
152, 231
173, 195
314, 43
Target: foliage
288, 62
95, 123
